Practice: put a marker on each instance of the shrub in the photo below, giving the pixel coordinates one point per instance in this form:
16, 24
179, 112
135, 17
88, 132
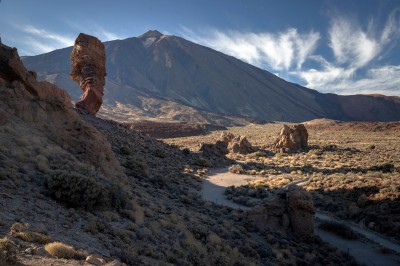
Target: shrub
202, 162
88, 192
384, 168
8, 254
160, 153
125, 150
339, 229
61, 250
33, 237
186, 151
236, 169
134, 168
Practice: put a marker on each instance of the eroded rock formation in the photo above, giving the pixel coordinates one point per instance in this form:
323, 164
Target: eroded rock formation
291, 138
89, 71
290, 212
220, 148
237, 144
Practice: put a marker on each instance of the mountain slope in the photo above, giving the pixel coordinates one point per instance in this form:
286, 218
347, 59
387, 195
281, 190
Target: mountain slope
170, 68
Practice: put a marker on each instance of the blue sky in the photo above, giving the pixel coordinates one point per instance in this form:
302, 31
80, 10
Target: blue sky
338, 46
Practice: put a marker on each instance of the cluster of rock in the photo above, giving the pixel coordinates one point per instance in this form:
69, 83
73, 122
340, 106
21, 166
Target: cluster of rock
228, 142
291, 138
88, 70
291, 212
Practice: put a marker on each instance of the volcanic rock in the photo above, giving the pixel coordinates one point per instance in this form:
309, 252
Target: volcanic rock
290, 212
220, 148
237, 144
88, 70
291, 138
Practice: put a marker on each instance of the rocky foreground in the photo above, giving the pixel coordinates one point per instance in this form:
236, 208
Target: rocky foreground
74, 187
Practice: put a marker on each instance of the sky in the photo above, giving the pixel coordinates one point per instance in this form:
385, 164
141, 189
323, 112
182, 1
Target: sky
333, 46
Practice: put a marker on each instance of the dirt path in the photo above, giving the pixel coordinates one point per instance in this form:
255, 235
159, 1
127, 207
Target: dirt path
219, 179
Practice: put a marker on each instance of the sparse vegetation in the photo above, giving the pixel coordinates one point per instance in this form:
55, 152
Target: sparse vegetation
351, 169
8, 254
61, 250
89, 192
33, 237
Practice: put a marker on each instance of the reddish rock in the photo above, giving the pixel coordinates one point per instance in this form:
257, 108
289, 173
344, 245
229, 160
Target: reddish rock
88, 70
237, 144
290, 212
291, 138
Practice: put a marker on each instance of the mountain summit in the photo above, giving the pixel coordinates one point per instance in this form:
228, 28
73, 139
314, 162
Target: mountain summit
165, 76
151, 34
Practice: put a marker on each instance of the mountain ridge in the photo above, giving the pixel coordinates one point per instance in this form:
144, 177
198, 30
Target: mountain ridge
170, 68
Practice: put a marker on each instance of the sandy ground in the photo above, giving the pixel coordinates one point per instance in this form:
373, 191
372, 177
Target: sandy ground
216, 183
219, 179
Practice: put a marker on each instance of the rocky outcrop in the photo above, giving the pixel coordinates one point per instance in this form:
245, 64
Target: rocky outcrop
237, 144
227, 142
40, 130
88, 70
291, 212
292, 138
220, 148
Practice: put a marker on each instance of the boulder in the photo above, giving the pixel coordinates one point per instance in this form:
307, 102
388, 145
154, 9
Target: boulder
95, 260
290, 212
292, 138
236, 144
220, 148
88, 70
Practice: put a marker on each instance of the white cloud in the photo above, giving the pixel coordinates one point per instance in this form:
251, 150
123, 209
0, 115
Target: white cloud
39, 40
280, 51
356, 66
351, 45
383, 80
92, 28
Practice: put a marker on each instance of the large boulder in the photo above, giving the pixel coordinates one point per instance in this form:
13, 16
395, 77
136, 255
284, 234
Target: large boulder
88, 70
290, 212
220, 148
291, 138
236, 144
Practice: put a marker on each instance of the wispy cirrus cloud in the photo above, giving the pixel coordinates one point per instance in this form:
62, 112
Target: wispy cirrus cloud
280, 51
92, 28
38, 40
355, 65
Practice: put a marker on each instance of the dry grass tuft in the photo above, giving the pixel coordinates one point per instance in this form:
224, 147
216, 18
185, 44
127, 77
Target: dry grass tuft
8, 255
33, 237
61, 250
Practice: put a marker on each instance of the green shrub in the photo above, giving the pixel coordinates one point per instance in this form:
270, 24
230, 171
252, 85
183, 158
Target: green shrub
8, 254
125, 150
88, 192
134, 168
186, 151
202, 162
